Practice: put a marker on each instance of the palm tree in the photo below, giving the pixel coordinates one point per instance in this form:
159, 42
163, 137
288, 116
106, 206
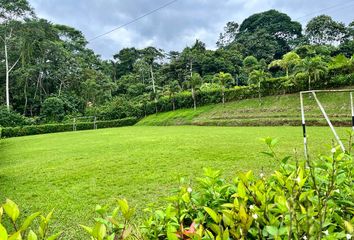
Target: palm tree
313, 67
194, 83
289, 60
171, 89
257, 77
223, 79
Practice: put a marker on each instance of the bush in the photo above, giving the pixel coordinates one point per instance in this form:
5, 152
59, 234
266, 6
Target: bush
14, 229
301, 200
53, 128
53, 109
11, 118
118, 108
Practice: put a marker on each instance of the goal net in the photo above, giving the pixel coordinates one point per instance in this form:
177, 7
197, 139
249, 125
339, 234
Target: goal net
86, 119
321, 107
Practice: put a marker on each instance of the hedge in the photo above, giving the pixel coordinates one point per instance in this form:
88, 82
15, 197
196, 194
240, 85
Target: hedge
53, 128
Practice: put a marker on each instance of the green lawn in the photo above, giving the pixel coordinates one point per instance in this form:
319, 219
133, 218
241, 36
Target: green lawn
73, 171
273, 110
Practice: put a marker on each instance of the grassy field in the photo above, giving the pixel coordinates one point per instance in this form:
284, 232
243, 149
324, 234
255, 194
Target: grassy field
74, 171
273, 110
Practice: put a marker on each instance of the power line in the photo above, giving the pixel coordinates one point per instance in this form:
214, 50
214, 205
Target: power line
134, 20
324, 9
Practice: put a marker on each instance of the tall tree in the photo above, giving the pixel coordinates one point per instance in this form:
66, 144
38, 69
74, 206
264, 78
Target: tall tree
171, 90
229, 34
224, 79
289, 60
257, 77
324, 30
150, 55
313, 68
11, 12
277, 28
194, 83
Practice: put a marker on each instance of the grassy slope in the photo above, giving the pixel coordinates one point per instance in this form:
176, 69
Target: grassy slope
73, 171
274, 110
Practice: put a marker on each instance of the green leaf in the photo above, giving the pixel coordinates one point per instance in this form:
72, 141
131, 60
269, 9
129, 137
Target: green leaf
87, 229
212, 214
349, 227
55, 236
226, 235
272, 230
32, 236
3, 233
186, 198
123, 204
15, 236
241, 190
1, 212
29, 220
99, 231
11, 209
171, 233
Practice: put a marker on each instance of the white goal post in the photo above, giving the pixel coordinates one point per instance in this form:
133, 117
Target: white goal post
313, 92
75, 120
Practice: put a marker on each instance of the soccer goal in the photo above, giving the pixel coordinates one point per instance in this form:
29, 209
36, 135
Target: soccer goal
86, 119
313, 93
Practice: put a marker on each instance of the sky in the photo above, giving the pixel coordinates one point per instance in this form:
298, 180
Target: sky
176, 26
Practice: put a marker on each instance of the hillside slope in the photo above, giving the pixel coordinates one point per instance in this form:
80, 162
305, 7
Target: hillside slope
273, 110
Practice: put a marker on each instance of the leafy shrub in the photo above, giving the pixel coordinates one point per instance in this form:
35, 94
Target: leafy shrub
53, 109
118, 108
11, 118
310, 199
11, 228
52, 128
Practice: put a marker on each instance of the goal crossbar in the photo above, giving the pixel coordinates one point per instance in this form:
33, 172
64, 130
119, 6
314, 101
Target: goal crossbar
313, 92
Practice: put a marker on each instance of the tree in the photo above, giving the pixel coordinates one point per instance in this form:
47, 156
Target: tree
224, 79
171, 90
324, 30
11, 12
257, 77
194, 83
229, 34
289, 60
250, 63
150, 55
272, 29
313, 67
53, 109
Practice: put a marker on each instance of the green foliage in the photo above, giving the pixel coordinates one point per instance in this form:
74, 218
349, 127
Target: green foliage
53, 128
12, 228
115, 225
11, 118
324, 30
53, 109
309, 199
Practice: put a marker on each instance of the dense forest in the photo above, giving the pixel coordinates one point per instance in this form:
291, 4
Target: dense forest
48, 74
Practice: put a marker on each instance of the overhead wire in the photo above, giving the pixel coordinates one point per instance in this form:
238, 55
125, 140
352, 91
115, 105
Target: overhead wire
134, 20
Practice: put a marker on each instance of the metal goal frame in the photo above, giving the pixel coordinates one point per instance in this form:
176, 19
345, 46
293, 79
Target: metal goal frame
303, 121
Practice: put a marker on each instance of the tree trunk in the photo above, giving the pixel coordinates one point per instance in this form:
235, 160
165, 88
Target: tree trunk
194, 100
153, 87
7, 78
223, 95
173, 104
259, 92
309, 82
26, 98
287, 73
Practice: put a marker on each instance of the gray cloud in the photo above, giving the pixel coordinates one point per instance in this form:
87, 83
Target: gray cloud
176, 26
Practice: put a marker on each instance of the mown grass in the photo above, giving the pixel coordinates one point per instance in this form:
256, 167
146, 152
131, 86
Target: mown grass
273, 110
74, 171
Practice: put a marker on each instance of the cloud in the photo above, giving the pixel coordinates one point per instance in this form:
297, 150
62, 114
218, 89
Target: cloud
175, 26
